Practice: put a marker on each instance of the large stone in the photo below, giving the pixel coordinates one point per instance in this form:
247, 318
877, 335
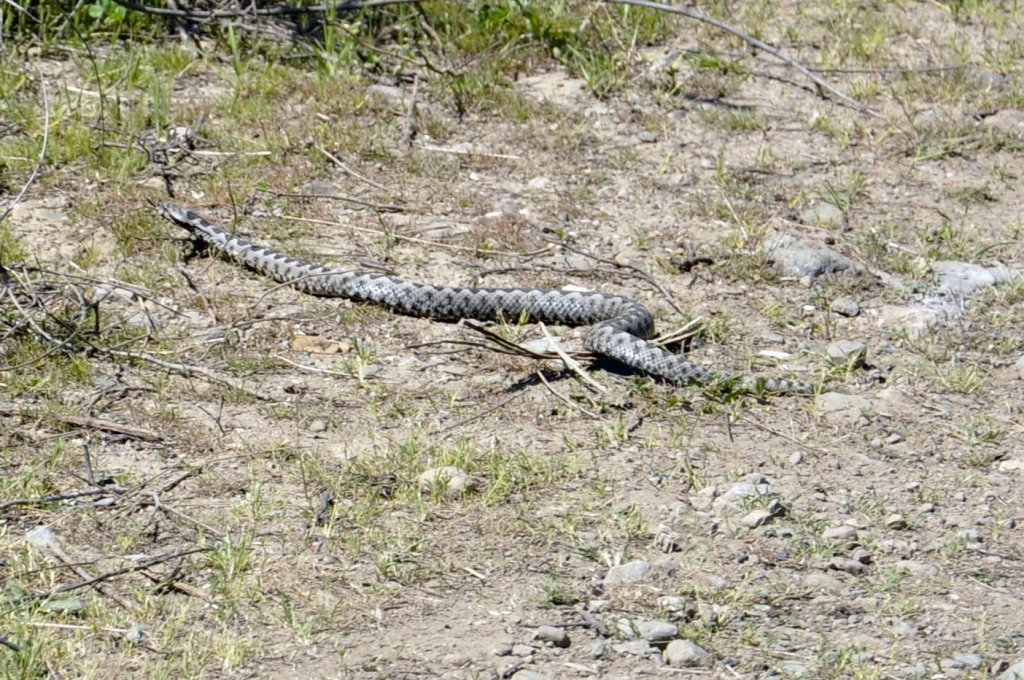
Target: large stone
685, 654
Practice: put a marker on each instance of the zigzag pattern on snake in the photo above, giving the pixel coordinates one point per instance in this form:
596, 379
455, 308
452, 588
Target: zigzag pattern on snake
619, 329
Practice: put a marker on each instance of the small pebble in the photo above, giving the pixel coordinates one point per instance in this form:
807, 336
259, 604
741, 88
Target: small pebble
896, 522
845, 306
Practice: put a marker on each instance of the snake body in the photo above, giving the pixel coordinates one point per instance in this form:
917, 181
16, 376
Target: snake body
620, 326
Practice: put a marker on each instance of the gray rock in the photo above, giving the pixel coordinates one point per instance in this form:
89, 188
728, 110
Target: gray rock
318, 425
824, 215
703, 499
821, 581
918, 319
523, 650
1014, 672
679, 607
685, 654
630, 572
733, 500
1007, 120
845, 409
638, 647
849, 565
598, 649
972, 536
756, 518
455, 481
796, 257
847, 353
794, 669
1013, 465
844, 306
917, 568
896, 522
556, 636
840, 534
900, 628
657, 631
527, 674
964, 278
970, 662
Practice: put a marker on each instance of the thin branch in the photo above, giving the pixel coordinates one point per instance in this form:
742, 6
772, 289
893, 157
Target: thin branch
41, 538
347, 170
753, 42
141, 566
56, 498
85, 421
280, 10
379, 207
619, 265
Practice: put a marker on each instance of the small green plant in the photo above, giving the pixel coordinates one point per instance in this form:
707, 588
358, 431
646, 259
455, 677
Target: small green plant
845, 195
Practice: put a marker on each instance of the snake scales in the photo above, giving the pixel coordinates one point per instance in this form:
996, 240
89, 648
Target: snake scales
620, 326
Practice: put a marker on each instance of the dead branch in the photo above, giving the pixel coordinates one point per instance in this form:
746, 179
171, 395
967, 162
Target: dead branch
141, 566
618, 265
83, 421
43, 539
821, 84
280, 10
56, 498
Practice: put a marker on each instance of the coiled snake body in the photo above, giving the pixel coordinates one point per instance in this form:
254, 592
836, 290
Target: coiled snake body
620, 325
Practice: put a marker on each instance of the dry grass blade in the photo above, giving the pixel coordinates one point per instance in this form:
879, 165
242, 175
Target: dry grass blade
691, 329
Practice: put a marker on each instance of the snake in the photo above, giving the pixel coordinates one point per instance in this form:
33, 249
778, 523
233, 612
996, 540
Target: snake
620, 327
